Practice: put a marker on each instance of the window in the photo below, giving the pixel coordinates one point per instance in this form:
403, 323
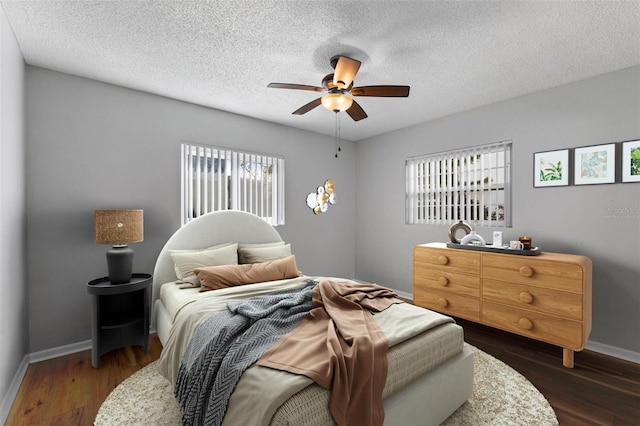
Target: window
472, 184
222, 179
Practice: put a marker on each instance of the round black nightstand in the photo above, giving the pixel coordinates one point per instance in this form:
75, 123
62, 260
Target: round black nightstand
120, 314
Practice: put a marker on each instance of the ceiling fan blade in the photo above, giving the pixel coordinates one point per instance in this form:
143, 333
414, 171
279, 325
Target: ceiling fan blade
382, 91
308, 107
346, 70
356, 112
295, 86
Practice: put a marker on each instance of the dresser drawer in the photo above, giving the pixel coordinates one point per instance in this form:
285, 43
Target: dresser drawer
550, 329
539, 272
549, 301
460, 261
447, 303
467, 285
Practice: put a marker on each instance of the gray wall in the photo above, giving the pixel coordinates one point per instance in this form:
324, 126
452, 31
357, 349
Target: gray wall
95, 146
13, 282
92, 145
599, 221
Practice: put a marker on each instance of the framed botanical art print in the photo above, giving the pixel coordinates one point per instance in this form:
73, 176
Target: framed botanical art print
595, 164
631, 161
551, 168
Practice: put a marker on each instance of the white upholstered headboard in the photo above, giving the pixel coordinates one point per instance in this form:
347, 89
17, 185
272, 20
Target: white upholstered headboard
208, 230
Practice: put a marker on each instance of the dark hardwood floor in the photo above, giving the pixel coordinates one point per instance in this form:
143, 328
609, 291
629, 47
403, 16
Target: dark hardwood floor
600, 390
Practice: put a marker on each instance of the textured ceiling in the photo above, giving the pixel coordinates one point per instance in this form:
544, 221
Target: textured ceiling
455, 55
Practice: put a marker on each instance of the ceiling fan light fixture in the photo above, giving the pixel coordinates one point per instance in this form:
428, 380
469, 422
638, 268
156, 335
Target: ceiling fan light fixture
340, 91
337, 102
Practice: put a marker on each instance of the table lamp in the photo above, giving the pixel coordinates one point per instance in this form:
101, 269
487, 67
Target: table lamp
119, 228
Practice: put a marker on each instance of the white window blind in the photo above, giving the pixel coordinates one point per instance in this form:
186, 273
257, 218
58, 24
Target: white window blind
216, 179
472, 184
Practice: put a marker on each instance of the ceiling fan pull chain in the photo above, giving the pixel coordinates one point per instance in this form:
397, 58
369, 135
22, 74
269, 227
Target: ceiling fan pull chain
337, 135
339, 129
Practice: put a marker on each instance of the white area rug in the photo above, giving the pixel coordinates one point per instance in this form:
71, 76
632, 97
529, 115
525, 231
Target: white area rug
501, 396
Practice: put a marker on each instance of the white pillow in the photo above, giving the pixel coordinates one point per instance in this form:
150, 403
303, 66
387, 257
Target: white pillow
263, 254
185, 261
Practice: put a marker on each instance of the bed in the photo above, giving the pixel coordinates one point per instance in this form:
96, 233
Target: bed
430, 369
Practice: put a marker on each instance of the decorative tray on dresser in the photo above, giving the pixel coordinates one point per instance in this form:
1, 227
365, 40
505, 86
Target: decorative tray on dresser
534, 251
545, 297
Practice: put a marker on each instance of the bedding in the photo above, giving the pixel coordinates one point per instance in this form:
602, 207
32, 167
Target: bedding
296, 400
426, 352
398, 323
188, 311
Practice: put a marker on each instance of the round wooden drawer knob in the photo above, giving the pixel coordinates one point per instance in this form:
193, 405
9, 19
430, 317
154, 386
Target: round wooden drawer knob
444, 281
443, 260
525, 323
443, 302
525, 297
526, 271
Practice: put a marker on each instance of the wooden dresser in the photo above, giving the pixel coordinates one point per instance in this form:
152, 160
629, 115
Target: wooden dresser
545, 297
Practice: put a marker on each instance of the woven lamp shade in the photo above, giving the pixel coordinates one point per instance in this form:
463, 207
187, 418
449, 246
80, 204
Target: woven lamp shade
119, 226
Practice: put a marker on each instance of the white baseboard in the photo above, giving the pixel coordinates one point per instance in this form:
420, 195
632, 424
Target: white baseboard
59, 351
614, 351
14, 386
9, 398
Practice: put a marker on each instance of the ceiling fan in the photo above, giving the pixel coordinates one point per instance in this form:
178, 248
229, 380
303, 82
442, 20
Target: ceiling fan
339, 85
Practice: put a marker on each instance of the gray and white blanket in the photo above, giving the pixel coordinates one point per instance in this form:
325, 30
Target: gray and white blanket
226, 344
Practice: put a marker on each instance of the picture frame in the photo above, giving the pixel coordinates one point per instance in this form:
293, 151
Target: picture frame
631, 161
595, 164
551, 168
